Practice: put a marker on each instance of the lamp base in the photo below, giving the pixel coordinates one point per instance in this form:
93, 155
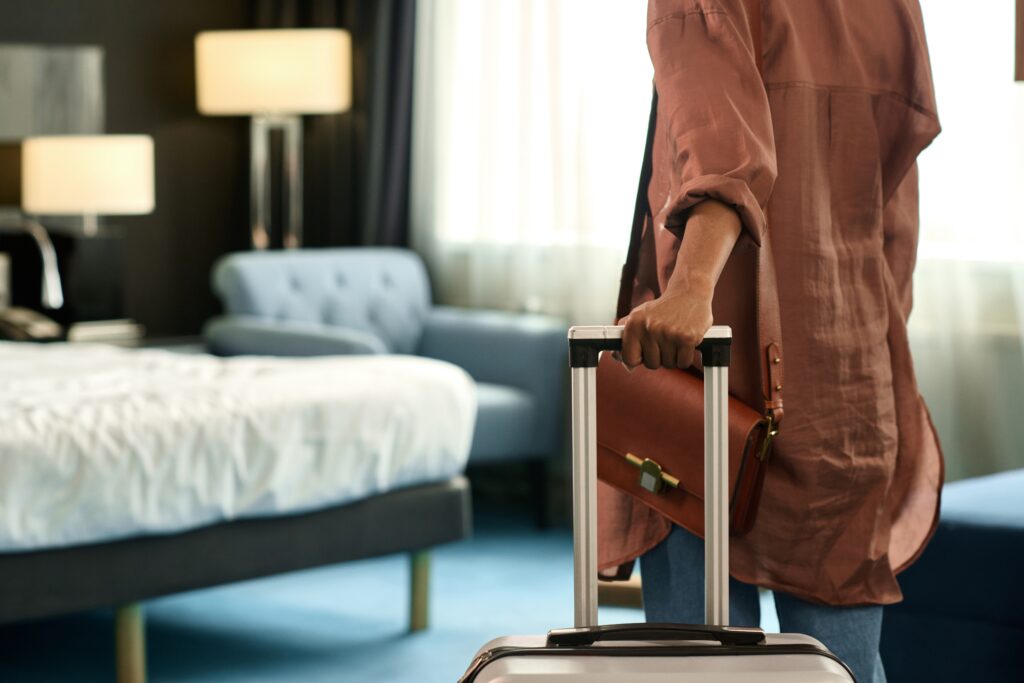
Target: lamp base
260, 129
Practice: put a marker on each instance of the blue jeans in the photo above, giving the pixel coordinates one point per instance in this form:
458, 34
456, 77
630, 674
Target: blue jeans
673, 585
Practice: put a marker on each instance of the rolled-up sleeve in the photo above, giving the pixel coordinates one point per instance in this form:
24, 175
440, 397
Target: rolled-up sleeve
713, 107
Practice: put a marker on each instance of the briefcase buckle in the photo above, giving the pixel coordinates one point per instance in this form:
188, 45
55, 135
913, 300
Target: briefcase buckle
653, 477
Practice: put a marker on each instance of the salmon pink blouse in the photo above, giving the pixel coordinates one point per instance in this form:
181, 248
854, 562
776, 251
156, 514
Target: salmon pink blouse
830, 134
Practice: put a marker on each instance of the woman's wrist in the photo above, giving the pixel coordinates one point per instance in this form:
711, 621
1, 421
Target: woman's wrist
694, 284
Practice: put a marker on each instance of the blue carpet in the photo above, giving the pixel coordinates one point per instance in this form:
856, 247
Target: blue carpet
342, 623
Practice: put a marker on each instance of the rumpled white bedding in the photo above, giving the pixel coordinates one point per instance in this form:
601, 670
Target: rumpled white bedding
98, 443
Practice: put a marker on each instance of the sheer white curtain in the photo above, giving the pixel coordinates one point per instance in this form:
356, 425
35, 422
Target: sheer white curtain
528, 134
528, 129
969, 284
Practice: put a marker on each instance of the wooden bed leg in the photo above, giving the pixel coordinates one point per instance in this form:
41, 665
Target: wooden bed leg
130, 643
419, 590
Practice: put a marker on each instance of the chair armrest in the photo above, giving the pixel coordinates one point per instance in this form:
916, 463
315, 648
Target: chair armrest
232, 335
526, 351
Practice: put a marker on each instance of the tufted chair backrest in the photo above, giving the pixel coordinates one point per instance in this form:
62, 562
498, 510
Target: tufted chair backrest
383, 291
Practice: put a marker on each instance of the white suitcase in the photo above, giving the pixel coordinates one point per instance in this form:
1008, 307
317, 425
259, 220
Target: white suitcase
653, 652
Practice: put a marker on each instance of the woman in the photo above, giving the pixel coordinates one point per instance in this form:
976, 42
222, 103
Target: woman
828, 129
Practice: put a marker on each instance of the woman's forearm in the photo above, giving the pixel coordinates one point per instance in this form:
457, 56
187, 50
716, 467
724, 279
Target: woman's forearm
665, 332
711, 233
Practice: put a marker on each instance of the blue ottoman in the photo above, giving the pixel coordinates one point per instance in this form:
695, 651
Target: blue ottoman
962, 618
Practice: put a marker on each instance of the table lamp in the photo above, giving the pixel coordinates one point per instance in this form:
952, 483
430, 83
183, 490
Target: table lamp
87, 175
274, 76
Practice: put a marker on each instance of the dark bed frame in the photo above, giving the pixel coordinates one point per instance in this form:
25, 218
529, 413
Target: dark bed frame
123, 573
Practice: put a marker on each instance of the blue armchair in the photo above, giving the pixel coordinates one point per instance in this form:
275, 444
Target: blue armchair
378, 300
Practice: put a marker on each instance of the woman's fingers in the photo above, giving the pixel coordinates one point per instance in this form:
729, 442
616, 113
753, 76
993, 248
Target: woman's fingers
632, 352
652, 354
643, 350
668, 354
684, 357
638, 345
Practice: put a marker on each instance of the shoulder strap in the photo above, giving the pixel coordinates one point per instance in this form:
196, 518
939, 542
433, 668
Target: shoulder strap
769, 326
641, 210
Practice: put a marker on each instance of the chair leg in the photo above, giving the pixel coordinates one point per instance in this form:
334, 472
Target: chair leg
419, 590
538, 476
621, 593
130, 643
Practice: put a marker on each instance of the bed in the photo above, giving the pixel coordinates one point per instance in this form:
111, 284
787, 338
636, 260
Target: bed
128, 474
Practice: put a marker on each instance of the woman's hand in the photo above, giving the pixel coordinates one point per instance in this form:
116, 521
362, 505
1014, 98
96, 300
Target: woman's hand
664, 333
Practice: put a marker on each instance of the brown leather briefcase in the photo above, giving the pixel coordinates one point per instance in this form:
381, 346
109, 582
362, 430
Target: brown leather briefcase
650, 423
649, 444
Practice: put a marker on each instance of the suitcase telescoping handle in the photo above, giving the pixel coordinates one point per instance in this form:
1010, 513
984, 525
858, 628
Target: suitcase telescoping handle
585, 345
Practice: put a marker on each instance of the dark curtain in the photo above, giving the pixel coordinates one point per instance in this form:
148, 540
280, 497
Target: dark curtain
357, 163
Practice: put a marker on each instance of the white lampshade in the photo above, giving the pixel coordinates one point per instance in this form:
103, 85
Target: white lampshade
280, 71
87, 174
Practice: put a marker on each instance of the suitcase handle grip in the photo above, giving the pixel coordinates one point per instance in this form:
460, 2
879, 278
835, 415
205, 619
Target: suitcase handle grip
726, 635
586, 342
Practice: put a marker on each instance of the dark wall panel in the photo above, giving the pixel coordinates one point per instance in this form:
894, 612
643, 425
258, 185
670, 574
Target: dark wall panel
201, 162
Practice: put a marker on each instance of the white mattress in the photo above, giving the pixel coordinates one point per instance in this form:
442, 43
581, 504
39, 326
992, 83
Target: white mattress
98, 443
